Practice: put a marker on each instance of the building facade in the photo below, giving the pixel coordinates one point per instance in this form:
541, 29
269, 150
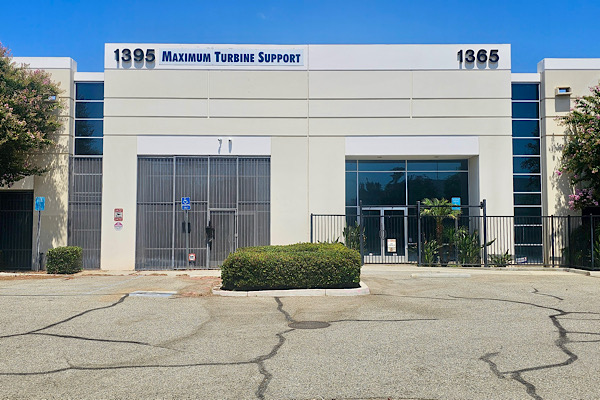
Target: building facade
253, 139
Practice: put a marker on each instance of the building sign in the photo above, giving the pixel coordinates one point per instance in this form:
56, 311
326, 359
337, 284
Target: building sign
230, 57
118, 214
118, 226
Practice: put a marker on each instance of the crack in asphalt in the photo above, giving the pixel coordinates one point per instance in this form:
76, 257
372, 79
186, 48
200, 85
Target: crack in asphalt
260, 360
561, 342
535, 291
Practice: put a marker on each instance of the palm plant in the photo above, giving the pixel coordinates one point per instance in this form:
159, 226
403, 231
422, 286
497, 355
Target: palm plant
439, 210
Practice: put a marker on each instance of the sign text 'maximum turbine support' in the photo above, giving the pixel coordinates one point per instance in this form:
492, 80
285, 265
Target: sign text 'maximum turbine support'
231, 57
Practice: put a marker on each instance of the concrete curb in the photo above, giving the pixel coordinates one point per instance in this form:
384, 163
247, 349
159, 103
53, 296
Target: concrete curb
360, 291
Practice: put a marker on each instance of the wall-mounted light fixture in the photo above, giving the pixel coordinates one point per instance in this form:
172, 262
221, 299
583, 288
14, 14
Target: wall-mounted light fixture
563, 91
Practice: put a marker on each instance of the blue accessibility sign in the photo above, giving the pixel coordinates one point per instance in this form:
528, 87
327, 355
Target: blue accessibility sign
456, 202
40, 203
185, 203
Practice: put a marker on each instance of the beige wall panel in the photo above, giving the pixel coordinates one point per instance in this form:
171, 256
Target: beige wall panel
327, 175
360, 84
156, 83
495, 174
289, 190
24, 184
556, 107
461, 84
552, 127
555, 189
258, 108
258, 84
462, 108
579, 81
359, 108
155, 108
474, 197
119, 190
54, 186
64, 77
410, 126
205, 126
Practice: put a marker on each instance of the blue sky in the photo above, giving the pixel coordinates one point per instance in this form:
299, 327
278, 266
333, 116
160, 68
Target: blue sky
79, 29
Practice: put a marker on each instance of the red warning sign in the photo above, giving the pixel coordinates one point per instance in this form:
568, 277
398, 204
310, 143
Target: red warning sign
118, 214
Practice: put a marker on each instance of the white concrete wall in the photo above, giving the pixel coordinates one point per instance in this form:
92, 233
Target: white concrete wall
53, 185
311, 117
557, 189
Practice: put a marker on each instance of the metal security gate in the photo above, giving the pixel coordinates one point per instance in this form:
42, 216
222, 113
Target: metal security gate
386, 233
16, 230
229, 207
85, 208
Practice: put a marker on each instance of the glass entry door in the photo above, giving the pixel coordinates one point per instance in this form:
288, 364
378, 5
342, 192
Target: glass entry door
386, 230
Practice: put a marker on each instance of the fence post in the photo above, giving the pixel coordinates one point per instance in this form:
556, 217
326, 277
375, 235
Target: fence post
592, 240
419, 233
570, 252
552, 237
485, 255
361, 233
311, 227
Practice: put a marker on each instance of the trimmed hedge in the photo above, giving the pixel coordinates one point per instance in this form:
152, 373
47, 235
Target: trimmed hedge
296, 266
64, 260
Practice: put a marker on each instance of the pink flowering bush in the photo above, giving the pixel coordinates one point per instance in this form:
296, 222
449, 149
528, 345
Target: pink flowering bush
29, 115
581, 154
581, 199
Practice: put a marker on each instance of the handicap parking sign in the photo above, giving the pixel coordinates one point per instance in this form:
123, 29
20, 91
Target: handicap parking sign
40, 203
185, 203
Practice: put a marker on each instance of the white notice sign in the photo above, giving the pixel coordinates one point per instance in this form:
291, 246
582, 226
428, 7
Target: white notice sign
391, 245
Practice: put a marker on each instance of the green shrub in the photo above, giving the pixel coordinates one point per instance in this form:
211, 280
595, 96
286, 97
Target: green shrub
296, 266
64, 260
500, 260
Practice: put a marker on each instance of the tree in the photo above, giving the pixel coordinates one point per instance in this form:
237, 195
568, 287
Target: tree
581, 152
29, 116
440, 210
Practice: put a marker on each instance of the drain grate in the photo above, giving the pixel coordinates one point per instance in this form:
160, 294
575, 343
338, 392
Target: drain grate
142, 293
309, 324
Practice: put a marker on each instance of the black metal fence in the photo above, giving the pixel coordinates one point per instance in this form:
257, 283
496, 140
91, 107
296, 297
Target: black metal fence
402, 234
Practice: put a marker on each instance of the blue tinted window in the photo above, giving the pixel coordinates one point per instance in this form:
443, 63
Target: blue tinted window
527, 183
525, 129
442, 165
526, 147
89, 110
351, 189
423, 185
528, 215
88, 128
382, 188
525, 91
525, 110
351, 165
89, 91
528, 199
85, 146
381, 165
528, 234
526, 165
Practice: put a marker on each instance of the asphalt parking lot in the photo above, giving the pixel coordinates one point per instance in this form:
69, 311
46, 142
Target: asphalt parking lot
493, 335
